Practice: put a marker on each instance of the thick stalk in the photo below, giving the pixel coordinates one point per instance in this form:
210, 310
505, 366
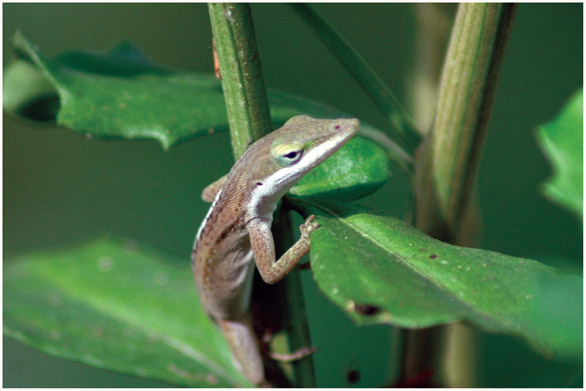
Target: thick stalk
249, 119
433, 27
446, 165
240, 70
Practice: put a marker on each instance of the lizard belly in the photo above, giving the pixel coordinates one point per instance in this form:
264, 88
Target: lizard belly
224, 279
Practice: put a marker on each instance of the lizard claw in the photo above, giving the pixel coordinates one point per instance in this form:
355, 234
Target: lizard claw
309, 226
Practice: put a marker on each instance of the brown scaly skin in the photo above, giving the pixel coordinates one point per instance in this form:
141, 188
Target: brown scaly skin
237, 229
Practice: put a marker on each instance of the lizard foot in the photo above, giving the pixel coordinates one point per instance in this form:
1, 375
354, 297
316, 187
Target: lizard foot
309, 226
296, 355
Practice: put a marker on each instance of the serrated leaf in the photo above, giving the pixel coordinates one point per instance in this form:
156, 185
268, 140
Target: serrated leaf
119, 306
122, 95
359, 169
561, 141
380, 270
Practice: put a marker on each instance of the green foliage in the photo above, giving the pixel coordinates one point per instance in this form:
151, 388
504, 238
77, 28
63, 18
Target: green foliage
561, 140
358, 169
388, 272
119, 306
122, 95
142, 100
119, 95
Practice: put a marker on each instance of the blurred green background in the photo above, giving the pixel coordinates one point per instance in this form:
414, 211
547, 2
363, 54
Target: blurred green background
61, 189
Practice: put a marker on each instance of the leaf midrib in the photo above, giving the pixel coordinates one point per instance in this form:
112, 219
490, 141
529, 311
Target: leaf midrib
467, 306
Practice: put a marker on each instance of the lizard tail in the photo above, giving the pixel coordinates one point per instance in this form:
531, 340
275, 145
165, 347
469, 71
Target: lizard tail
244, 345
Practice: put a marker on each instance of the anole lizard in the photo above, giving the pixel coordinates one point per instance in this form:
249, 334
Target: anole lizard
237, 228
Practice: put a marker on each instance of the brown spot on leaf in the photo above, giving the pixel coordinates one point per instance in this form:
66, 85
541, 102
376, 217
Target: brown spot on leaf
366, 309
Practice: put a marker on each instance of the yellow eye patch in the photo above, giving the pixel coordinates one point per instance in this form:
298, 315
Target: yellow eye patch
287, 154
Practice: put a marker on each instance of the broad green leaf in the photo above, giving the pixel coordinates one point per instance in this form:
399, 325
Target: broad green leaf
122, 95
380, 270
561, 140
357, 170
116, 305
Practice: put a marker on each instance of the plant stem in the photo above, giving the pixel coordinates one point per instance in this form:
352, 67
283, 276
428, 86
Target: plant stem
405, 133
296, 324
433, 25
459, 359
249, 119
244, 90
446, 165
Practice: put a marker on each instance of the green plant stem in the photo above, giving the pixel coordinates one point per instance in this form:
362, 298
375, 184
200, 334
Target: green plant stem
433, 25
405, 132
432, 34
244, 90
434, 22
446, 165
249, 119
459, 360
296, 323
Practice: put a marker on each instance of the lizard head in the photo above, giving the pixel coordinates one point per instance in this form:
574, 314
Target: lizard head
282, 157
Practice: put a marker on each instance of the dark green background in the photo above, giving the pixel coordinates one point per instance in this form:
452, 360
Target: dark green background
61, 189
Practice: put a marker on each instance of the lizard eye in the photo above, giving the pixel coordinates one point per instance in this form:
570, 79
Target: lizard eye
291, 157
288, 154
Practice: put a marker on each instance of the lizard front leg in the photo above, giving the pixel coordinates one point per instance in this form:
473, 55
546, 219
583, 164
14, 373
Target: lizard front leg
263, 247
211, 191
